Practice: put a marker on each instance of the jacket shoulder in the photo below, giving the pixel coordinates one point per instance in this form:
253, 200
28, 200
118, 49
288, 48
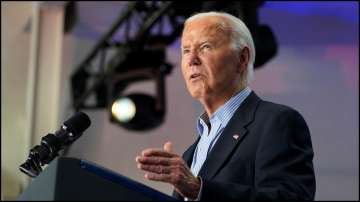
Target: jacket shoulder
275, 108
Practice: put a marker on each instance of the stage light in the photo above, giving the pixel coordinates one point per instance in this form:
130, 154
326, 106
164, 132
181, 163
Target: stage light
136, 112
123, 109
141, 55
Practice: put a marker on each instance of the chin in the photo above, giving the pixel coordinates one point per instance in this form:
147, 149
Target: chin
197, 94
196, 91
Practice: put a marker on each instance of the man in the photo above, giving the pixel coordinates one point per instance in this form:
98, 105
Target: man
248, 148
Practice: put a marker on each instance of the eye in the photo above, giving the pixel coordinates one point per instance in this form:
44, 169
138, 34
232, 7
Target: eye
205, 46
185, 51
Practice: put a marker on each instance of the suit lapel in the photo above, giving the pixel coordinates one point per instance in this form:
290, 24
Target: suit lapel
189, 153
232, 135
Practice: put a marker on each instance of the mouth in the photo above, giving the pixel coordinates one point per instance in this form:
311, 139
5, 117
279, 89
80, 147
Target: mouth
195, 76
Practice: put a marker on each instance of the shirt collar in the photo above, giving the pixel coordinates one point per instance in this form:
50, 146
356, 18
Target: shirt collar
223, 113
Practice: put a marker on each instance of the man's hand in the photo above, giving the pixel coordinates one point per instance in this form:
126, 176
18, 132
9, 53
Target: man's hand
165, 166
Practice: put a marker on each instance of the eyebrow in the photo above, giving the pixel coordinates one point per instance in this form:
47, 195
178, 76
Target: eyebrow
183, 47
204, 42
200, 44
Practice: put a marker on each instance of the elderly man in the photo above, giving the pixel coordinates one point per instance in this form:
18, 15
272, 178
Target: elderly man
248, 148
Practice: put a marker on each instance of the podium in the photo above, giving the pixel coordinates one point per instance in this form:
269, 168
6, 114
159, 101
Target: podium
75, 179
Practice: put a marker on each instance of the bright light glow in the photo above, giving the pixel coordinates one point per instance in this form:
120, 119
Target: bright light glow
123, 109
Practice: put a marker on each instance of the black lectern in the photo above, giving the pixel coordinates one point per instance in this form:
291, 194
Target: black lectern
74, 179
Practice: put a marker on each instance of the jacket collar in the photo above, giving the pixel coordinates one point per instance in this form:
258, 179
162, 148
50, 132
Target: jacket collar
232, 135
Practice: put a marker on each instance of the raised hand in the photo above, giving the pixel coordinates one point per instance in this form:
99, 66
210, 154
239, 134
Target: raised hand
166, 166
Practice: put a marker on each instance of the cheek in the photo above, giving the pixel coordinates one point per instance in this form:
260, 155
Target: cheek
183, 68
183, 71
220, 69
213, 67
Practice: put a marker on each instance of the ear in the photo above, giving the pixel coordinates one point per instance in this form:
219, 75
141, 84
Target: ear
244, 57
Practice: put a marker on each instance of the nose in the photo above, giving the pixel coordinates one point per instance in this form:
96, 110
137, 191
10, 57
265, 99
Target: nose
194, 59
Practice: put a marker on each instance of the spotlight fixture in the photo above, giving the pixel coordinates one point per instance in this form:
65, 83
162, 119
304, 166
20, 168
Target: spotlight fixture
136, 111
141, 55
123, 109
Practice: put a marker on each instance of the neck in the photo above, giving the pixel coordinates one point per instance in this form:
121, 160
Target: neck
211, 104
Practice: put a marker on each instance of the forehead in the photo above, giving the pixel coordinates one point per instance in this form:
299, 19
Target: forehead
205, 27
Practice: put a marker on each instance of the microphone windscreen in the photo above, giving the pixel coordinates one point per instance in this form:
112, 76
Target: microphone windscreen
78, 123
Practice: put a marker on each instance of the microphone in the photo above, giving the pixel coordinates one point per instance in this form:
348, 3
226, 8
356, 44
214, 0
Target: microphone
51, 144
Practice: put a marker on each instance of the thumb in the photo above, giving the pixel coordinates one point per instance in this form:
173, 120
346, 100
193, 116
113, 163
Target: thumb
168, 146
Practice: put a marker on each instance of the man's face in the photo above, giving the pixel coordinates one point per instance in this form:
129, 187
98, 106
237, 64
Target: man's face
210, 66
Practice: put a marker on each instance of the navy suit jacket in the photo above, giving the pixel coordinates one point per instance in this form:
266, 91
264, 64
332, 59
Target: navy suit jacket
270, 160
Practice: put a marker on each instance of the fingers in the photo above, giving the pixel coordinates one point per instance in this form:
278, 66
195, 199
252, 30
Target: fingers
165, 166
156, 168
168, 146
161, 164
157, 152
165, 152
155, 160
159, 177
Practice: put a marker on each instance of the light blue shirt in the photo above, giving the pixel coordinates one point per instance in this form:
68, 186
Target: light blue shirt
211, 128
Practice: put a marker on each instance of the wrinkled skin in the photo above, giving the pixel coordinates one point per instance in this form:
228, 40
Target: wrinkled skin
213, 72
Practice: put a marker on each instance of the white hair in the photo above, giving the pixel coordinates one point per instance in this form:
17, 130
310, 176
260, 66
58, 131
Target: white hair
240, 36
